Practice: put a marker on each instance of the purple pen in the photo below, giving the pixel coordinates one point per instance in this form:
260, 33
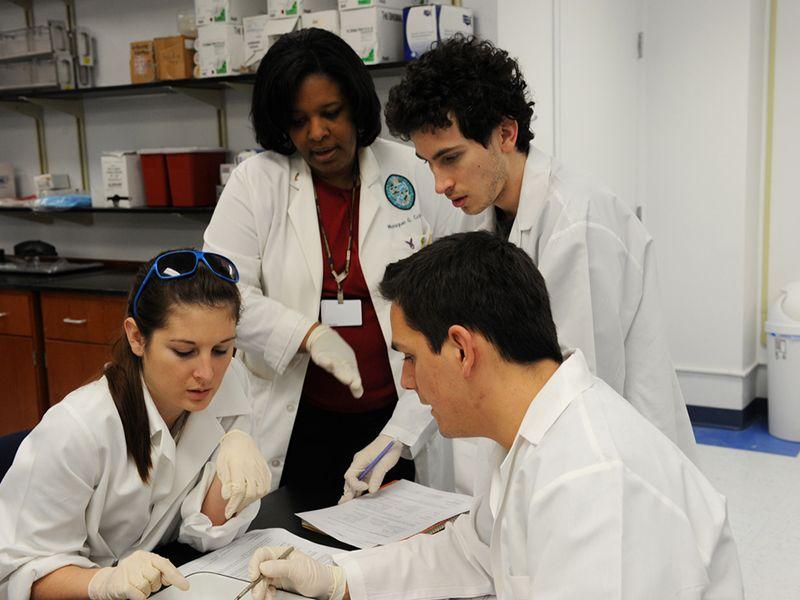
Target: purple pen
374, 462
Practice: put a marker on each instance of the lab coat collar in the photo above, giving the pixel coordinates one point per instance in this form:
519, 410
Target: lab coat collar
533, 192
566, 384
569, 381
369, 169
198, 441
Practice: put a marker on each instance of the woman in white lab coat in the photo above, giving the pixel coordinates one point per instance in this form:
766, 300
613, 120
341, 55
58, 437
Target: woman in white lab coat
312, 221
128, 462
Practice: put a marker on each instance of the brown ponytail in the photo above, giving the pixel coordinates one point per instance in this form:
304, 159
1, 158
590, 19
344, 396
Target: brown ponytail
124, 373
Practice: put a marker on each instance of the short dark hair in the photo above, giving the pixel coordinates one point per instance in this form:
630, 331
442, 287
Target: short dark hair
477, 82
481, 282
287, 63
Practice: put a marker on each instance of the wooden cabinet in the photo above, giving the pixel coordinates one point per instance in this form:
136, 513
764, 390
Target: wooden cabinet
78, 332
23, 392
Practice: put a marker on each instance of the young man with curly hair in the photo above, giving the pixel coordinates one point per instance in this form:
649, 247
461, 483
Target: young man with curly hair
465, 107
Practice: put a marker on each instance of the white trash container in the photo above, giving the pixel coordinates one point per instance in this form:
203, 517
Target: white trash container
783, 364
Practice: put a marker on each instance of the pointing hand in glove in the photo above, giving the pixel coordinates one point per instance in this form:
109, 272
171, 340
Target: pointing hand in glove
353, 486
242, 470
135, 577
329, 351
298, 573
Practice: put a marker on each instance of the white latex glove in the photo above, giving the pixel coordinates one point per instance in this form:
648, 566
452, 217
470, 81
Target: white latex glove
352, 485
135, 578
243, 471
329, 351
298, 573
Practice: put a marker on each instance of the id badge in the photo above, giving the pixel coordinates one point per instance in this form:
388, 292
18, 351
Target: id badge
347, 314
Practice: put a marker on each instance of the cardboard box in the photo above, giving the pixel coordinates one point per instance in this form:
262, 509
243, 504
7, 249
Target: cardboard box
8, 187
220, 49
278, 9
143, 62
376, 34
174, 57
356, 4
226, 11
260, 32
322, 19
424, 26
123, 185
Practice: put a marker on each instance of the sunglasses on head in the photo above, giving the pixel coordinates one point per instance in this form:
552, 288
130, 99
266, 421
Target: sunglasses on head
183, 263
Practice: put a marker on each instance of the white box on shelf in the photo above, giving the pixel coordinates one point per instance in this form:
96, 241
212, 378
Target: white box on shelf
277, 9
356, 4
226, 11
8, 187
376, 34
322, 19
220, 49
225, 170
423, 26
260, 33
123, 184
50, 181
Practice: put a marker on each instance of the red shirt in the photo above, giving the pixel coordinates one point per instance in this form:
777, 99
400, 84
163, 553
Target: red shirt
320, 388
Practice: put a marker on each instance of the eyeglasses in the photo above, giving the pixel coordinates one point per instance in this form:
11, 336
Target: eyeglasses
183, 263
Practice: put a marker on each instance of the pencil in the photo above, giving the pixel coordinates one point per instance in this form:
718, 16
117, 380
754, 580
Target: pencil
253, 584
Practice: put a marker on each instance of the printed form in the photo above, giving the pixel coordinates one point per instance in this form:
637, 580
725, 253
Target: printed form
395, 512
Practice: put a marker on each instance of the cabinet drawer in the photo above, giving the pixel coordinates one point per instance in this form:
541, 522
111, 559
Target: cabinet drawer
16, 313
71, 365
82, 318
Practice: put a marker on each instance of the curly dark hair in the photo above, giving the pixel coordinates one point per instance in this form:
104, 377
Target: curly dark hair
287, 63
472, 79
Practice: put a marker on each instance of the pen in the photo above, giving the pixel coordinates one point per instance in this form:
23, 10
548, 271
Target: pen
374, 462
253, 584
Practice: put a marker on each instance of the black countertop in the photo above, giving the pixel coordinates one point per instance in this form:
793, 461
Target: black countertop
100, 281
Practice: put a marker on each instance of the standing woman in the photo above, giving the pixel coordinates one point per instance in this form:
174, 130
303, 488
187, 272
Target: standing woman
312, 223
127, 462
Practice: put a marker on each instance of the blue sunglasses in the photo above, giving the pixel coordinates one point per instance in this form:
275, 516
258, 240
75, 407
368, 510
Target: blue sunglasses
183, 263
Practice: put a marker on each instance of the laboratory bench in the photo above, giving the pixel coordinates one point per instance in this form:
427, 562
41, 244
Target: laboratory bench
56, 334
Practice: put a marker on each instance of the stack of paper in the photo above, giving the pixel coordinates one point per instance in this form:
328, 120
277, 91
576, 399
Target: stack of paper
395, 512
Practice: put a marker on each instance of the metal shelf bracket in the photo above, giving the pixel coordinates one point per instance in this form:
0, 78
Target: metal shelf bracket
37, 114
73, 108
242, 88
214, 98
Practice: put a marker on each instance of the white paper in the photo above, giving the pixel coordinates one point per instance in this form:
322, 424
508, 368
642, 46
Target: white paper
232, 559
394, 513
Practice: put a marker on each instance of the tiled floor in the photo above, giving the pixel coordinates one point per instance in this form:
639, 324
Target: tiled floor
762, 484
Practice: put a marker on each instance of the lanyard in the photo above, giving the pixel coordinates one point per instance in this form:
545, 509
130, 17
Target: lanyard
338, 277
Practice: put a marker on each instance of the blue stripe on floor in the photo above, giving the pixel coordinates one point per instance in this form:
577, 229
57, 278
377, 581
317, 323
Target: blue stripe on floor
755, 437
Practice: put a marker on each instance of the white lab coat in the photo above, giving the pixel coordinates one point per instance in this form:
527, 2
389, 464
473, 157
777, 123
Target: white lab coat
599, 265
591, 501
73, 496
266, 222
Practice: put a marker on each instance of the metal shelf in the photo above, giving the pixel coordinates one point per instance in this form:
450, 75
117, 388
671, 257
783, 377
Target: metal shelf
177, 210
162, 87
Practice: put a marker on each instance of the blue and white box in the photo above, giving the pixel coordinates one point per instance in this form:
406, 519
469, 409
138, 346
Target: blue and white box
424, 26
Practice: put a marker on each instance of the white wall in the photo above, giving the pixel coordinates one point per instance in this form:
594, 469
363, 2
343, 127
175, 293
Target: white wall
784, 249
705, 77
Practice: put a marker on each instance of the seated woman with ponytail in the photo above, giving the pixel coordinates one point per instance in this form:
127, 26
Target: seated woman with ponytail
154, 450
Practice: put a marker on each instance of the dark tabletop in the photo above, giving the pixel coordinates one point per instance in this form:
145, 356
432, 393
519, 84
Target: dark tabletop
100, 281
277, 510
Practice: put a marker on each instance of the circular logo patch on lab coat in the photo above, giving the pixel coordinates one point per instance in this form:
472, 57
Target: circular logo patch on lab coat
400, 192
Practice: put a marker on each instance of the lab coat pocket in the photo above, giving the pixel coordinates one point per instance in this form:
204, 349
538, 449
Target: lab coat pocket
520, 586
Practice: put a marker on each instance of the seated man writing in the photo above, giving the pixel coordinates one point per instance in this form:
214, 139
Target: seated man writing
587, 500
